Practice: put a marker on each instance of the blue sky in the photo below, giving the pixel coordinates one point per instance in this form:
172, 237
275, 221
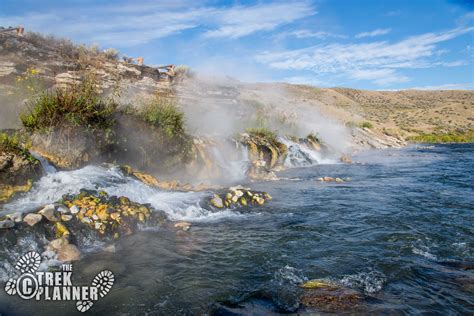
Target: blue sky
361, 44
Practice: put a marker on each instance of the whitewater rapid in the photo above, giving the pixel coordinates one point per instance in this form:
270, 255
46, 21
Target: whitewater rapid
300, 155
52, 186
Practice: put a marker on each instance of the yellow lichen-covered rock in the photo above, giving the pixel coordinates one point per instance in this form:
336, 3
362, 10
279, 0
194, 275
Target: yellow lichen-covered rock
318, 283
216, 201
8, 191
61, 230
239, 196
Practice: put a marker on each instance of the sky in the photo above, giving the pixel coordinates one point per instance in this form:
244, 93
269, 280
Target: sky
379, 45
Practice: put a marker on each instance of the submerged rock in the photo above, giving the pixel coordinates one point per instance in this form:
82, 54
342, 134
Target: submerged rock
6, 223
331, 179
32, 219
184, 226
17, 217
327, 296
69, 253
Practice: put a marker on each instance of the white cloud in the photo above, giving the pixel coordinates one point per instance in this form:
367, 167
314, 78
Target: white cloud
240, 21
304, 33
379, 62
308, 80
131, 24
373, 33
447, 86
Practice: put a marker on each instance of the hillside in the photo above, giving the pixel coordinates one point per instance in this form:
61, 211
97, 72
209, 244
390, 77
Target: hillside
407, 113
35, 62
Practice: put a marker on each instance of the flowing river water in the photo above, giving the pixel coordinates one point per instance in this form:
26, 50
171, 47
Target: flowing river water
400, 231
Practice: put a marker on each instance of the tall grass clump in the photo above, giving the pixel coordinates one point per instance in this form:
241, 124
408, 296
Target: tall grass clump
164, 114
263, 132
78, 105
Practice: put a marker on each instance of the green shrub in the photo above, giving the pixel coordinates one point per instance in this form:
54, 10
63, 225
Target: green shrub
366, 125
76, 105
9, 143
262, 132
163, 113
448, 137
12, 144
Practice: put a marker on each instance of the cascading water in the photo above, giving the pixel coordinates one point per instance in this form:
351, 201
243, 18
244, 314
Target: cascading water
47, 167
234, 168
52, 186
300, 155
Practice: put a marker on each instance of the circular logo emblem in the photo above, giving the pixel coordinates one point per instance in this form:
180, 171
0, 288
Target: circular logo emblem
27, 286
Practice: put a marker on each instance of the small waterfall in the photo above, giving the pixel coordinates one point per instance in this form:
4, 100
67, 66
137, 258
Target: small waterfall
300, 155
47, 167
234, 165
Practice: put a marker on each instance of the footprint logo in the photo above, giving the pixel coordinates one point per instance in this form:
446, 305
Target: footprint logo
103, 282
29, 263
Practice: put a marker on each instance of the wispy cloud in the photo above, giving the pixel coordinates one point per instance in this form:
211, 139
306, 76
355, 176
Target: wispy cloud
128, 25
240, 21
304, 33
308, 80
379, 62
447, 86
373, 33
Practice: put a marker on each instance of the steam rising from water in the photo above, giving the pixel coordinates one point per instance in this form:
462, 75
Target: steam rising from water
222, 107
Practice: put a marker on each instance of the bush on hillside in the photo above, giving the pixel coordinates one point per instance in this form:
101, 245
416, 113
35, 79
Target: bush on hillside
76, 105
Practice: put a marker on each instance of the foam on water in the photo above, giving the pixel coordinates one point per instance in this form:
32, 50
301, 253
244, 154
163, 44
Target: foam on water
52, 186
369, 282
300, 155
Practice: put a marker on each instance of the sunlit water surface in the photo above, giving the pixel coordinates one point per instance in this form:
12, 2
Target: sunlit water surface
400, 231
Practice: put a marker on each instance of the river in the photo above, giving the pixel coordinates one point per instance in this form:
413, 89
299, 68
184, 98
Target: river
399, 230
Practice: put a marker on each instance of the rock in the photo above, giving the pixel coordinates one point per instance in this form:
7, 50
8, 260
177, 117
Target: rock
259, 200
66, 217
110, 248
61, 230
8, 191
68, 253
183, 226
216, 201
6, 223
17, 217
32, 219
74, 209
327, 296
318, 283
346, 159
330, 179
62, 209
57, 244
49, 211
